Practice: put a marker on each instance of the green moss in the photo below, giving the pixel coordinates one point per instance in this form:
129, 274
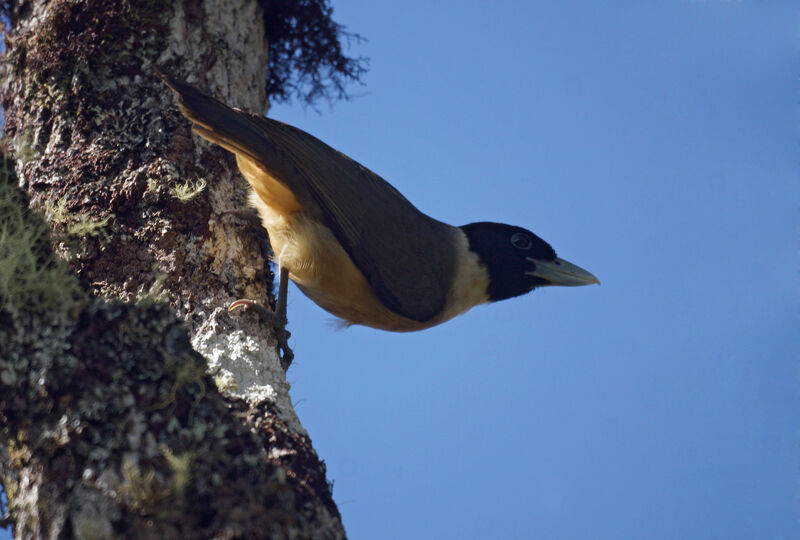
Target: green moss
188, 191
11, 488
55, 211
156, 293
185, 373
181, 465
31, 276
18, 453
152, 184
225, 383
152, 493
141, 487
23, 145
86, 226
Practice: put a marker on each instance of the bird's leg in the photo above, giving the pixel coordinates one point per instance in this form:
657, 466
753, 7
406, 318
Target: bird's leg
276, 319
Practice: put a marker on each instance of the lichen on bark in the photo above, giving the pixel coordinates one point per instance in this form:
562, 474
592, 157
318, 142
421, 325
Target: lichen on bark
131, 403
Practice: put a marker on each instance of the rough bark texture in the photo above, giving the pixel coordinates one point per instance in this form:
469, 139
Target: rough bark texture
112, 423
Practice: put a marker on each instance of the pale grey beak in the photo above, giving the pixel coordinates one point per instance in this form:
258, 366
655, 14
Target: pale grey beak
561, 272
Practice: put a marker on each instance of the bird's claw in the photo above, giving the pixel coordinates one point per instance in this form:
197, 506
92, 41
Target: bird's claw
277, 323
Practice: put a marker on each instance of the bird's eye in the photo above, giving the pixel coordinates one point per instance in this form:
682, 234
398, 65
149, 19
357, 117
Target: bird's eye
521, 241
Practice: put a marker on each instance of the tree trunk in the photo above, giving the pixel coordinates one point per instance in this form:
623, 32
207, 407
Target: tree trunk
132, 403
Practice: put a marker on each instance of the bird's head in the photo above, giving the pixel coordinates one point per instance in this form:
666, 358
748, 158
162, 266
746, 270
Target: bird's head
518, 261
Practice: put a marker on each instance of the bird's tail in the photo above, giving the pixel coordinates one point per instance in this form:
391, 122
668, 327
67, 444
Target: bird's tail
213, 120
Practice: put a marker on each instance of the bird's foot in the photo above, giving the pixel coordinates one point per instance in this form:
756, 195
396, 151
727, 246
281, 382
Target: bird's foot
277, 323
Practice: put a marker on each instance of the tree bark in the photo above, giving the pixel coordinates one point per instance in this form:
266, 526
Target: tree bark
132, 403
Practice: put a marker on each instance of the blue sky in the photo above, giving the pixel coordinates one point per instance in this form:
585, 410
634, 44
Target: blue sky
654, 144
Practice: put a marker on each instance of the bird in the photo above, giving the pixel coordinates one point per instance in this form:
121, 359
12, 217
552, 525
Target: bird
353, 243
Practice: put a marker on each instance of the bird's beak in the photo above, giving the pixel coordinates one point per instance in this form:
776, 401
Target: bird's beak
561, 272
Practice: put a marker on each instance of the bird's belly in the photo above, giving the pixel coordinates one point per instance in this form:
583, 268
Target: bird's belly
325, 273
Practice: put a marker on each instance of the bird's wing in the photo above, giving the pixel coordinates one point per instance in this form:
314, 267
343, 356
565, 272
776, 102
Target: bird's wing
405, 255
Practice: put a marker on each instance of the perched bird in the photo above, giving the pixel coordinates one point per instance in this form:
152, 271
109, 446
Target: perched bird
353, 244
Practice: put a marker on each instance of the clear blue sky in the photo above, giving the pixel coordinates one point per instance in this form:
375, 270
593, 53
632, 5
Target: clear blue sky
656, 145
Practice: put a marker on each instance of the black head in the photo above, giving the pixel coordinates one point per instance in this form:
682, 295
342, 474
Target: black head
506, 251
518, 261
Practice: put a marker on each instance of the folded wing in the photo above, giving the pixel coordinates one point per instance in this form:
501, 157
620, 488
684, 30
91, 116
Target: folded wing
403, 253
